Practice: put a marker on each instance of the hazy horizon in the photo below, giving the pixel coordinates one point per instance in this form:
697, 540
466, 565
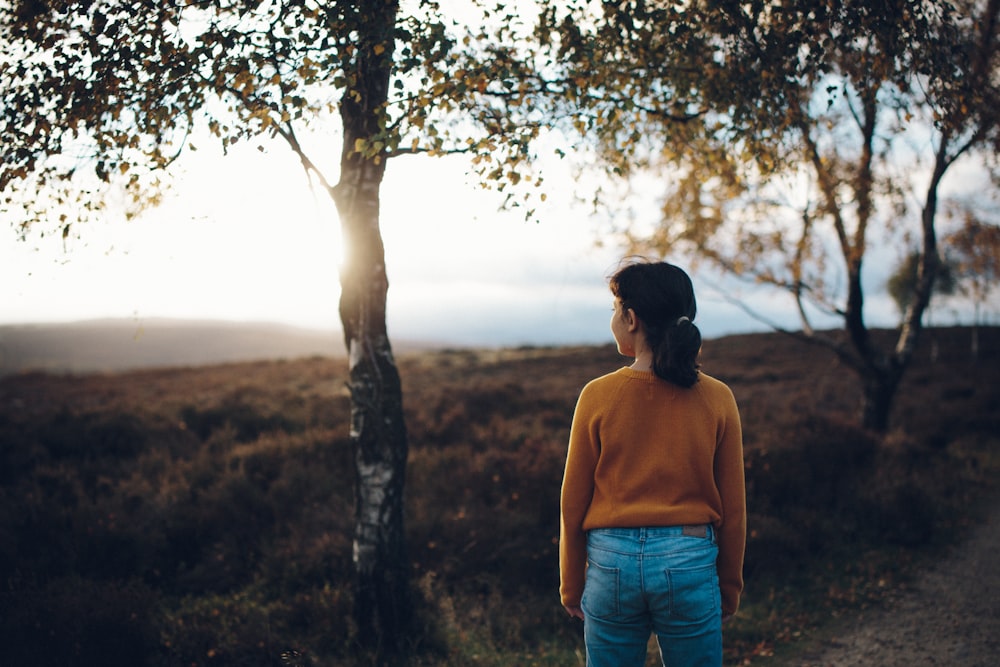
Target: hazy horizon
251, 243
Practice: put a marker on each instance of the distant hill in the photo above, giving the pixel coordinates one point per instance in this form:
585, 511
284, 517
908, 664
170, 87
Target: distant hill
115, 345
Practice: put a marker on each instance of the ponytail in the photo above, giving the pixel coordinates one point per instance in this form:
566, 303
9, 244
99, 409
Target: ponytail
675, 355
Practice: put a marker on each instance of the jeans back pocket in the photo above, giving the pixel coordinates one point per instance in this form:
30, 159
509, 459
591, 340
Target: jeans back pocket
694, 592
601, 593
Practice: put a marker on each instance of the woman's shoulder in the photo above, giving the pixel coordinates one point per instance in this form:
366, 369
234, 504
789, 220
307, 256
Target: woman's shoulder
611, 379
607, 383
710, 380
712, 386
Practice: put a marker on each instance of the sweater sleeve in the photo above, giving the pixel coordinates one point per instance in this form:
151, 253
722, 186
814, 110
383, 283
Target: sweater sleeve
577, 493
729, 477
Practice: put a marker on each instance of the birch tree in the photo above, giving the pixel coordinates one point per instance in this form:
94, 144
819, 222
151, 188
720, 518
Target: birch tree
101, 97
791, 139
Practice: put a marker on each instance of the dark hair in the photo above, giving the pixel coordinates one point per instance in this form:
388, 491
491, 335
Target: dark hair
662, 296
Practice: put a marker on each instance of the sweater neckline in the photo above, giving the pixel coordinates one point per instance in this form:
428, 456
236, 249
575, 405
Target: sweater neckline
648, 376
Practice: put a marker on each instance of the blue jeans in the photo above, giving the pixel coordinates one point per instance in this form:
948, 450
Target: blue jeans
659, 580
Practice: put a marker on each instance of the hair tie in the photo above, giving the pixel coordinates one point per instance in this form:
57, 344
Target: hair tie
682, 318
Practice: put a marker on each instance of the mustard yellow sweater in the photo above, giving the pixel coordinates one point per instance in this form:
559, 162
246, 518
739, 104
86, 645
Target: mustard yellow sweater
644, 452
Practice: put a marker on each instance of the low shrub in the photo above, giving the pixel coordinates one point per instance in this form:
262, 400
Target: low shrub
206, 513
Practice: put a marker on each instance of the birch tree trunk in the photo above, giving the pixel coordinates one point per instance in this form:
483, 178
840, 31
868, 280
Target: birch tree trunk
382, 603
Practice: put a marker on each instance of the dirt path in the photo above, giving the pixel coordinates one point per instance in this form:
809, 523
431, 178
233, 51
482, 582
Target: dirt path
950, 617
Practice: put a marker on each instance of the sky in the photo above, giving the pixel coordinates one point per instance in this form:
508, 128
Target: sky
242, 238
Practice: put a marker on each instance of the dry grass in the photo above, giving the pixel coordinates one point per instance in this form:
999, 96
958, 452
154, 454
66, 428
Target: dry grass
205, 513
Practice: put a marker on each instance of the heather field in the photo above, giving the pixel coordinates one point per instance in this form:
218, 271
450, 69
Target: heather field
203, 515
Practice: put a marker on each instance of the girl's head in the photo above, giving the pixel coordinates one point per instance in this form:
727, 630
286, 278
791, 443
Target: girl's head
662, 297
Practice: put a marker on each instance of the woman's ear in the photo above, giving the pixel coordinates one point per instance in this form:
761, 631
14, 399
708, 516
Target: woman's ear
631, 320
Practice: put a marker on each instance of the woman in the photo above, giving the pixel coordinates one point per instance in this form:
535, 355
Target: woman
653, 498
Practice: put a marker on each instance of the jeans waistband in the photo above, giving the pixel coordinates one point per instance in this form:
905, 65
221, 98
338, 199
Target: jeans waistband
705, 530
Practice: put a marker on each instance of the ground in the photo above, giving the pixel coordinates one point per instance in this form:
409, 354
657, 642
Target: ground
949, 616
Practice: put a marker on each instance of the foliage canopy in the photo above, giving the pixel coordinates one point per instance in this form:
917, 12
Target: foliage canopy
100, 95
